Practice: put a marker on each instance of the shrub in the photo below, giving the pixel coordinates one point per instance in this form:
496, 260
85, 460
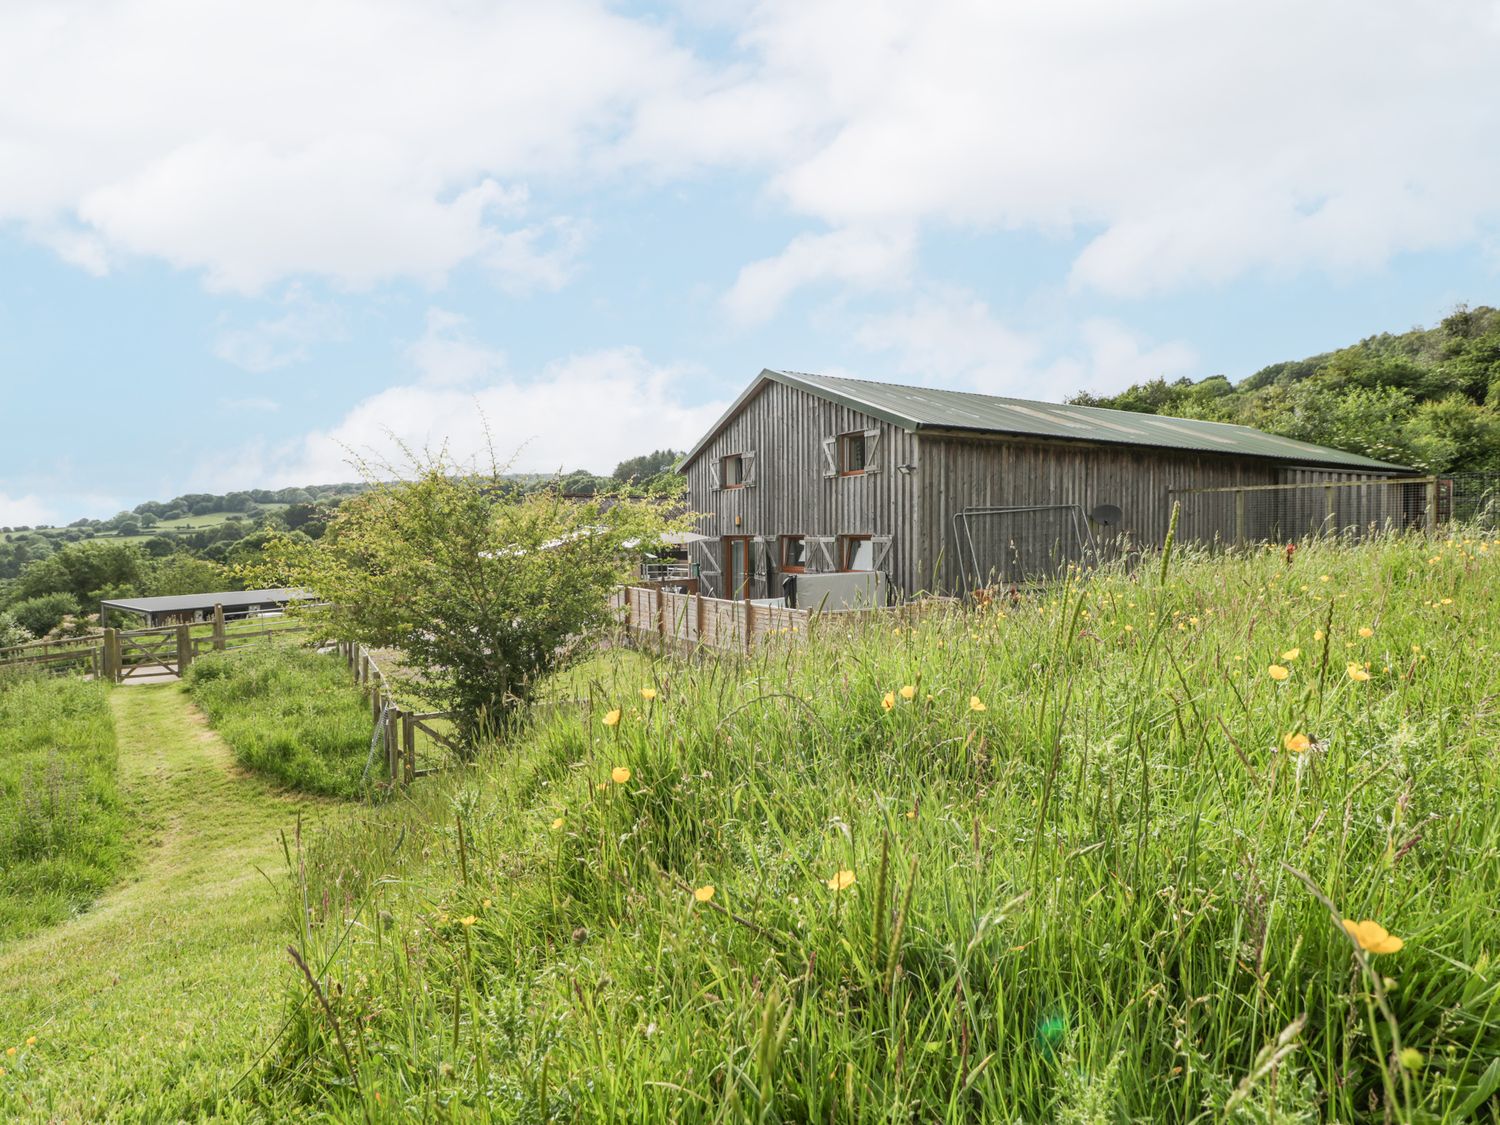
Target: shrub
40, 615
12, 632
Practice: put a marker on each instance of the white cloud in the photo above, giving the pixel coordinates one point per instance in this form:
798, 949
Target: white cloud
586, 411
283, 340
1189, 142
1193, 142
359, 142
951, 338
24, 511
447, 354
859, 259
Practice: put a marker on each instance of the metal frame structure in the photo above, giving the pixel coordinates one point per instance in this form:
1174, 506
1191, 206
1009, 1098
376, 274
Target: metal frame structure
972, 572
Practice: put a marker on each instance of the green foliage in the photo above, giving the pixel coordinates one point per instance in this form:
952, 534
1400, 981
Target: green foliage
646, 466
181, 573
1070, 905
1429, 398
12, 632
61, 824
87, 571
289, 713
483, 589
40, 615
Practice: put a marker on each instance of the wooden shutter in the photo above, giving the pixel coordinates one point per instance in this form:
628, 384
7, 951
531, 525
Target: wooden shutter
831, 456
705, 553
820, 558
713, 475
747, 471
872, 446
880, 552
759, 562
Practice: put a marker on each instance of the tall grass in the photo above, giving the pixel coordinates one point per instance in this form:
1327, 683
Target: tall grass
289, 713
61, 825
1077, 854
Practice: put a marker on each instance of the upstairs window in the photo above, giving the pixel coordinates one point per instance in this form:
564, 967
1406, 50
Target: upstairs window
732, 471
852, 453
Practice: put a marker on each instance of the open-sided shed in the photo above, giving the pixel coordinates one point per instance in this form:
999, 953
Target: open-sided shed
186, 609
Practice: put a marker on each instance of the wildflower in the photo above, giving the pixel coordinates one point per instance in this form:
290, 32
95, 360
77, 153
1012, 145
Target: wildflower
1325, 578
842, 880
1366, 632
1357, 672
1291, 654
908, 692
620, 775
976, 704
1319, 635
485, 905
468, 920
1447, 601
556, 824
648, 694
1278, 672
31, 1041
1412, 1059
1373, 937
704, 893
10, 1051
1434, 559
612, 719
888, 700
1296, 743
1416, 648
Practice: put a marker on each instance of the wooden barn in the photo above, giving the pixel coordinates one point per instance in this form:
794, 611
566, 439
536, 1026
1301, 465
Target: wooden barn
946, 491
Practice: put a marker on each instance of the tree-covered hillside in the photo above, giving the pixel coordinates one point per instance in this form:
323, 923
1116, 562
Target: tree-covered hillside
1428, 398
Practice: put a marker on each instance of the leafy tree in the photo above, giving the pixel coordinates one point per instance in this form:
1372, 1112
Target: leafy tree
482, 589
181, 573
646, 466
40, 615
85, 571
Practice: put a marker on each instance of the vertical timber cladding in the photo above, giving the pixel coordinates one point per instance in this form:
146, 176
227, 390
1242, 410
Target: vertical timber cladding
962, 471
790, 492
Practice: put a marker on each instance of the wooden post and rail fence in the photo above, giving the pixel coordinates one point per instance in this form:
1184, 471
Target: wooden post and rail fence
399, 729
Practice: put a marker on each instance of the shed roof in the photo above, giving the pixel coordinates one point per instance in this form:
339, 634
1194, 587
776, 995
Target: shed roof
929, 408
229, 599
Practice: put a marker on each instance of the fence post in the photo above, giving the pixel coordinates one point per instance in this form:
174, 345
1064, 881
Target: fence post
699, 633
218, 627
393, 743
1239, 515
184, 648
749, 624
409, 745
1432, 497
112, 655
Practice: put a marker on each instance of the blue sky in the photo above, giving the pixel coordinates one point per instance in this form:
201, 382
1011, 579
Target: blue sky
238, 242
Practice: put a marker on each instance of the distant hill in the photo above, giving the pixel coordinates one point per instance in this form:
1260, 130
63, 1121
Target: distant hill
1428, 398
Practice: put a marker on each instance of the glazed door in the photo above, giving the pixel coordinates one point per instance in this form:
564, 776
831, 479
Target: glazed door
736, 567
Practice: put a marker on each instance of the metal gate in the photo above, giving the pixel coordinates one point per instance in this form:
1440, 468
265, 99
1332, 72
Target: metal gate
1006, 546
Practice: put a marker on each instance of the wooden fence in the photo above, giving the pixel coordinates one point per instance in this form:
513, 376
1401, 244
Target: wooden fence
401, 732
692, 620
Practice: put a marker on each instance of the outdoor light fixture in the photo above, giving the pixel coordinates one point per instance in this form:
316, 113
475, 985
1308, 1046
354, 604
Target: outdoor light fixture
906, 470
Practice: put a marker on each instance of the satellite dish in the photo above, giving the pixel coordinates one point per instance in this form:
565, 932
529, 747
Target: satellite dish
1107, 515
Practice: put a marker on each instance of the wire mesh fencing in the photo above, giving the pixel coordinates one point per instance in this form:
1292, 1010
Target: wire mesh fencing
1020, 545
1288, 512
1471, 498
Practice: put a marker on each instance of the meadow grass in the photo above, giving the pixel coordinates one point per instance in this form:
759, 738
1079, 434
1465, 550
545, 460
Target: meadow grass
1040, 861
62, 830
156, 1004
290, 713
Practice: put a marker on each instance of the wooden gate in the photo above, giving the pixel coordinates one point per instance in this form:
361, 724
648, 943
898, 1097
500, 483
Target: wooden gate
149, 652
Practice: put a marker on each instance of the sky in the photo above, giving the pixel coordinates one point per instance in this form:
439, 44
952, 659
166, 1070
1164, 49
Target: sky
242, 245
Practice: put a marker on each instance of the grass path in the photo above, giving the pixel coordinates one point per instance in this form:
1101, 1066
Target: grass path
149, 1005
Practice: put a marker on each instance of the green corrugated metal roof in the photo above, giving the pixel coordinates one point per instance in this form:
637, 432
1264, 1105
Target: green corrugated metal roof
928, 408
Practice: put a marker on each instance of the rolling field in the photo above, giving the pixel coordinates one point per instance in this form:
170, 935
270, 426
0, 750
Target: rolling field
1086, 857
